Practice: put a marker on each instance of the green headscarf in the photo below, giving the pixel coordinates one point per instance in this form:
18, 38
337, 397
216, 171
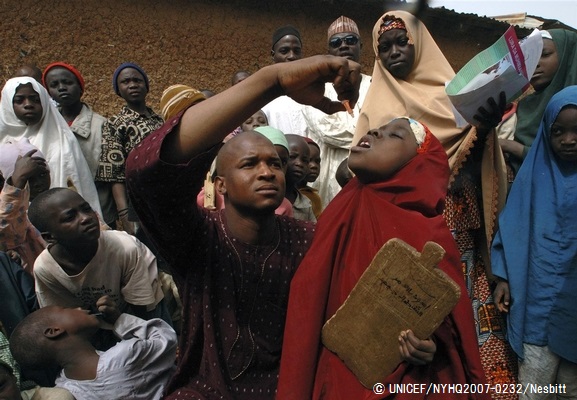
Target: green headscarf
530, 110
274, 135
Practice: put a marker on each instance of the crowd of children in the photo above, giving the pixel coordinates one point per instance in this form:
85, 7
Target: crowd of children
120, 235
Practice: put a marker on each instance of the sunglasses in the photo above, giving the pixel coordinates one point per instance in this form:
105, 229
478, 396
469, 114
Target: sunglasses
349, 40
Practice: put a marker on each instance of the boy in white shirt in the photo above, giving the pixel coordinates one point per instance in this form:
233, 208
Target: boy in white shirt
83, 263
138, 367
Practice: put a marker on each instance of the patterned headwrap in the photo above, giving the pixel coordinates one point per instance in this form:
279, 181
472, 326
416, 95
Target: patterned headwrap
343, 25
176, 98
391, 22
421, 132
274, 135
124, 66
9, 153
65, 66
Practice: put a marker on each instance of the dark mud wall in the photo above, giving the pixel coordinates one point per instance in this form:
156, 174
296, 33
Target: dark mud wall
198, 43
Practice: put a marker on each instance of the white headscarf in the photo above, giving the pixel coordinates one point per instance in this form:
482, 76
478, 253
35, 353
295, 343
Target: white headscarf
53, 137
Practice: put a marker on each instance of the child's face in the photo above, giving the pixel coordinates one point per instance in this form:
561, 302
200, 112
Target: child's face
27, 105
74, 320
299, 155
383, 151
547, 66
132, 86
314, 163
564, 135
63, 86
71, 220
256, 120
38, 184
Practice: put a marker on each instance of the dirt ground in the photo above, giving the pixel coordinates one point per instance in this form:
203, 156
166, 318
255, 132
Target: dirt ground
198, 43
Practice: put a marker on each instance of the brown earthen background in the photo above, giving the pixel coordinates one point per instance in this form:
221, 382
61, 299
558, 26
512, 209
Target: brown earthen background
198, 43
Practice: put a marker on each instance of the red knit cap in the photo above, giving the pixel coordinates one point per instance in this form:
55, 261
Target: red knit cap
310, 141
66, 66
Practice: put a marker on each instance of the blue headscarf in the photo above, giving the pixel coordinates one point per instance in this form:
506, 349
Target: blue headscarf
535, 248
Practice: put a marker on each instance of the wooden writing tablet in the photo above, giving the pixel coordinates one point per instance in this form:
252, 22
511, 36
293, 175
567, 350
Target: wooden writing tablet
401, 289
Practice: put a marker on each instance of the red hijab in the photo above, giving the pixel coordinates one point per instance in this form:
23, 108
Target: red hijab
354, 226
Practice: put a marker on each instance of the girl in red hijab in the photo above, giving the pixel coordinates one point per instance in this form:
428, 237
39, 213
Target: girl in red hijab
399, 190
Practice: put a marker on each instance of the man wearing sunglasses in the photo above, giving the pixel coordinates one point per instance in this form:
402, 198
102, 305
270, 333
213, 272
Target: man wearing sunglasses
334, 133
345, 44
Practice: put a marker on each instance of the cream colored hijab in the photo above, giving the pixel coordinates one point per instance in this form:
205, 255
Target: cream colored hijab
421, 96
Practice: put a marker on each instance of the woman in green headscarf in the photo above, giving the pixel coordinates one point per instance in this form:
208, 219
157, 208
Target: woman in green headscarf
555, 71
